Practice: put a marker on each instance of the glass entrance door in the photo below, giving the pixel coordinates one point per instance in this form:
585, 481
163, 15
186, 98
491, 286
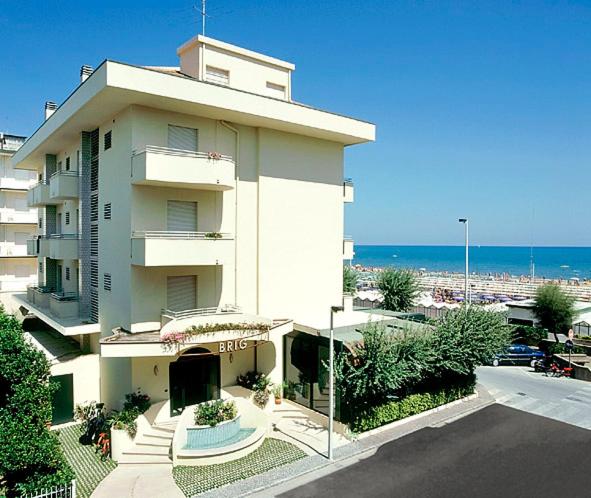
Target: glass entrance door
194, 378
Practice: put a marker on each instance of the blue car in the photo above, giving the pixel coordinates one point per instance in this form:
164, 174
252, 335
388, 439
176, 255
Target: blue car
518, 353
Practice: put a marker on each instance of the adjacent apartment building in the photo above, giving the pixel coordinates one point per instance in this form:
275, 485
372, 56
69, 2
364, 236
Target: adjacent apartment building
179, 197
18, 223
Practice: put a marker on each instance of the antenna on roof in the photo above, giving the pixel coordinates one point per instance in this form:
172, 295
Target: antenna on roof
203, 16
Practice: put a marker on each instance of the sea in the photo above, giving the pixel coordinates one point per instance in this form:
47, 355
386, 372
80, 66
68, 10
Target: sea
549, 262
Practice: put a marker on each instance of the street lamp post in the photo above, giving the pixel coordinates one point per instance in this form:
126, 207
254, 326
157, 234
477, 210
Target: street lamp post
333, 310
467, 293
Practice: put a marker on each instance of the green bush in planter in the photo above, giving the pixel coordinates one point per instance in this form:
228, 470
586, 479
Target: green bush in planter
215, 412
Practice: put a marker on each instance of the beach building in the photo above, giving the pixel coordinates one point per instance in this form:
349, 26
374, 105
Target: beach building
184, 212
521, 313
18, 222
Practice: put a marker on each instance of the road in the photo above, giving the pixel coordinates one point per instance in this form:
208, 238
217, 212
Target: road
566, 400
497, 451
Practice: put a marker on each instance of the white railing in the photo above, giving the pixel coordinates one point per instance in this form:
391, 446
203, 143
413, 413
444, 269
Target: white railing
177, 315
64, 491
164, 234
68, 236
64, 173
154, 149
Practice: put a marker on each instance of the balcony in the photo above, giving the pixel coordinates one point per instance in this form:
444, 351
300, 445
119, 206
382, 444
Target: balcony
63, 246
348, 190
64, 304
9, 215
39, 195
39, 295
348, 252
11, 250
63, 185
161, 166
150, 248
38, 246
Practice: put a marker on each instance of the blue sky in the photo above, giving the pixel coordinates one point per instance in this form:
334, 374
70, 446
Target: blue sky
483, 108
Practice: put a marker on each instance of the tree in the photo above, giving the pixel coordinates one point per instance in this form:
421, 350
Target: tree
350, 277
380, 365
554, 309
30, 454
399, 288
468, 337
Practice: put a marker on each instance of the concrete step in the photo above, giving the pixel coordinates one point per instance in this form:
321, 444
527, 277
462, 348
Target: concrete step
144, 449
144, 460
164, 428
158, 433
150, 440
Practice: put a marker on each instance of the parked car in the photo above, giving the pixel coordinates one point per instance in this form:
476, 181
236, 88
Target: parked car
518, 353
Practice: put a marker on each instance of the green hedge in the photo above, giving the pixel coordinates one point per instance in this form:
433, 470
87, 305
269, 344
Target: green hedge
411, 404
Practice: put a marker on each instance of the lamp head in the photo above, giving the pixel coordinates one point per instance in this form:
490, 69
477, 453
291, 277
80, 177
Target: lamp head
463, 220
334, 309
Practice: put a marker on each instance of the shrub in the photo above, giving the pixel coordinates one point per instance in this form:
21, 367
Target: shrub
125, 420
554, 309
350, 277
215, 412
137, 400
249, 379
30, 455
377, 367
399, 288
412, 404
527, 334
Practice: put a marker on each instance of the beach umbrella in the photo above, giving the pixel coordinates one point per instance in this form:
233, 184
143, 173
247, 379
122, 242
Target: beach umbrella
520, 298
458, 298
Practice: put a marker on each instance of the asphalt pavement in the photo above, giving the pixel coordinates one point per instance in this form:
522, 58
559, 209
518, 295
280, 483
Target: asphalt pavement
563, 399
497, 451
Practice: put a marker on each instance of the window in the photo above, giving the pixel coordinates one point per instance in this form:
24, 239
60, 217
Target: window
40, 222
217, 75
107, 211
67, 273
107, 140
78, 160
275, 90
67, 217
182, 138
107, 281
67, 164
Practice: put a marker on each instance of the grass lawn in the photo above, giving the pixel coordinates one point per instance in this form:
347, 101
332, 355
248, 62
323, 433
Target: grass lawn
272, 453
87, 464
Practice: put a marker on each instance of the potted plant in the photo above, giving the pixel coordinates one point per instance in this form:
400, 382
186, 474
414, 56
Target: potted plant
123, 430
261, 391
278, 391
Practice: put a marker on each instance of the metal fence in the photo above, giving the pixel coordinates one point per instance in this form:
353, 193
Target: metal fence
64, 491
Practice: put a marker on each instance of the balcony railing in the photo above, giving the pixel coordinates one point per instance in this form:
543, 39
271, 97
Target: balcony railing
64, 185
178, 315
65, 296
168, 248
164, 234
214, 156
164, 166
63, 246
348, 190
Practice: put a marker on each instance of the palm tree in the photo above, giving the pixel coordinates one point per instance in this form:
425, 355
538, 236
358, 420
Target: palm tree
399, 288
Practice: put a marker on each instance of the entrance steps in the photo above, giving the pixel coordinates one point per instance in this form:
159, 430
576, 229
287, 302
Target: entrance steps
152, 445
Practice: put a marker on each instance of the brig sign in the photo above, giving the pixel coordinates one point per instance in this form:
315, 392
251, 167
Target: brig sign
231, 346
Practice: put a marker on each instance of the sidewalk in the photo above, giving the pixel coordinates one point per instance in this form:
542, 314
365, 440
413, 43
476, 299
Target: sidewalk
311, 468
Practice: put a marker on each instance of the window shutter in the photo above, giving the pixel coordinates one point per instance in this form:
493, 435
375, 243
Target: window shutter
182, 138
181, 293
181, 216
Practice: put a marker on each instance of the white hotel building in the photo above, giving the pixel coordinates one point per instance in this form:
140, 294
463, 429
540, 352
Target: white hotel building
18, 223
179, 196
